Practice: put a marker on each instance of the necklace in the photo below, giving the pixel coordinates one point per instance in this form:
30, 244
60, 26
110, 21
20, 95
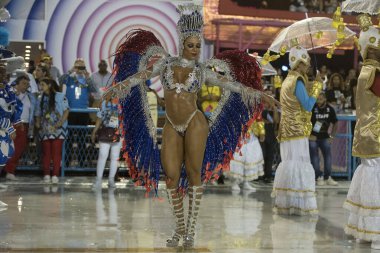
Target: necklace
184, 63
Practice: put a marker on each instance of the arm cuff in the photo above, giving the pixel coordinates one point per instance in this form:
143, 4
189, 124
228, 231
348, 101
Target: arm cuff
17, 122
316, 90
11, 130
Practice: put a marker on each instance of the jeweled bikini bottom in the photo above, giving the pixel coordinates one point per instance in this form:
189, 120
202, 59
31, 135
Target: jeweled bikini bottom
181, 129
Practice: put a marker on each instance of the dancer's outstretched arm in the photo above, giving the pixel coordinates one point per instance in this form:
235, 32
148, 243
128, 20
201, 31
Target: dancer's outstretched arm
123, 88
250, 96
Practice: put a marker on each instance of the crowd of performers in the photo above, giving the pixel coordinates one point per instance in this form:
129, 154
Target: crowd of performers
196, 150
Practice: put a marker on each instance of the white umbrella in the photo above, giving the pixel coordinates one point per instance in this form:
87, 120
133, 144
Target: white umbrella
371, 7
266, 69
309, 33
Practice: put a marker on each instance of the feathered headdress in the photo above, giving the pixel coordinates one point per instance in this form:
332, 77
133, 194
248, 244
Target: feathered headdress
189, 24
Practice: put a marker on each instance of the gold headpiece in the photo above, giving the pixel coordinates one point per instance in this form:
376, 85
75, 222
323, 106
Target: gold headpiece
369, 36
297, 55
364, 22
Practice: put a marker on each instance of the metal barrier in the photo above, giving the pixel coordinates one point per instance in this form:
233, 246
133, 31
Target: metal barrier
31, 159
79, 154
345, 132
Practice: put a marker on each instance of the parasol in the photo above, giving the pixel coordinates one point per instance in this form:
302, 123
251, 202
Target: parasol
267, 69
371, 7
309, 33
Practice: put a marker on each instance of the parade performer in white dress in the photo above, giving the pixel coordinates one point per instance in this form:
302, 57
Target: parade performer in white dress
363, 199
248, 162
294, 183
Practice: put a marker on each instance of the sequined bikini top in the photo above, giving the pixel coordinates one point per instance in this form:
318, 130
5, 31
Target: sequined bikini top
193, 82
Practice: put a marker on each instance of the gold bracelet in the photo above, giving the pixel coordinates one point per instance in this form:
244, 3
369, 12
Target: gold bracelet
261, 128
316, 90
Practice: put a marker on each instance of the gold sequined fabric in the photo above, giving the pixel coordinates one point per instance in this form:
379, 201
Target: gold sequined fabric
295, 121
367, 131
316, 89
257, 128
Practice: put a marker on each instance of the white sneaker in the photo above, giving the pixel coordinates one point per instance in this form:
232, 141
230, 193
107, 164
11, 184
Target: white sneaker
2, 204
375, 245
320, 181
55, 180
248, 187
235, 187
11, 177
331, 182
47, 179
111, 183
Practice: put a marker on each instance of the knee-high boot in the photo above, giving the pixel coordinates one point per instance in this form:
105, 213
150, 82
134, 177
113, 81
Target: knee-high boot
176, 202
195, 196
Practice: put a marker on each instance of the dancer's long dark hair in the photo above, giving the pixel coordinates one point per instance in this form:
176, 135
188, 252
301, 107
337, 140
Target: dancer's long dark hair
53, 88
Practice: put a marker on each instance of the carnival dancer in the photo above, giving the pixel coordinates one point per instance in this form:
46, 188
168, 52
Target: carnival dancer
186, 134
363, 199
294, 183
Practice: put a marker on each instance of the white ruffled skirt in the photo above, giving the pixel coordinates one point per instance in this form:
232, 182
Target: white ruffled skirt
294, 182
247, 164
363, 201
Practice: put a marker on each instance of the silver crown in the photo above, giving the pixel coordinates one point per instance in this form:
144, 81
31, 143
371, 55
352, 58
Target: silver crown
191, 19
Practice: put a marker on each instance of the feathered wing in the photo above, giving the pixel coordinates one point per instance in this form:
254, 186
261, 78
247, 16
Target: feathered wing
140, 148
229, 124
230, 121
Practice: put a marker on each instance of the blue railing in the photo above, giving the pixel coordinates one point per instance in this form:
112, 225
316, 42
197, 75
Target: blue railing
78, 153
348, 119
